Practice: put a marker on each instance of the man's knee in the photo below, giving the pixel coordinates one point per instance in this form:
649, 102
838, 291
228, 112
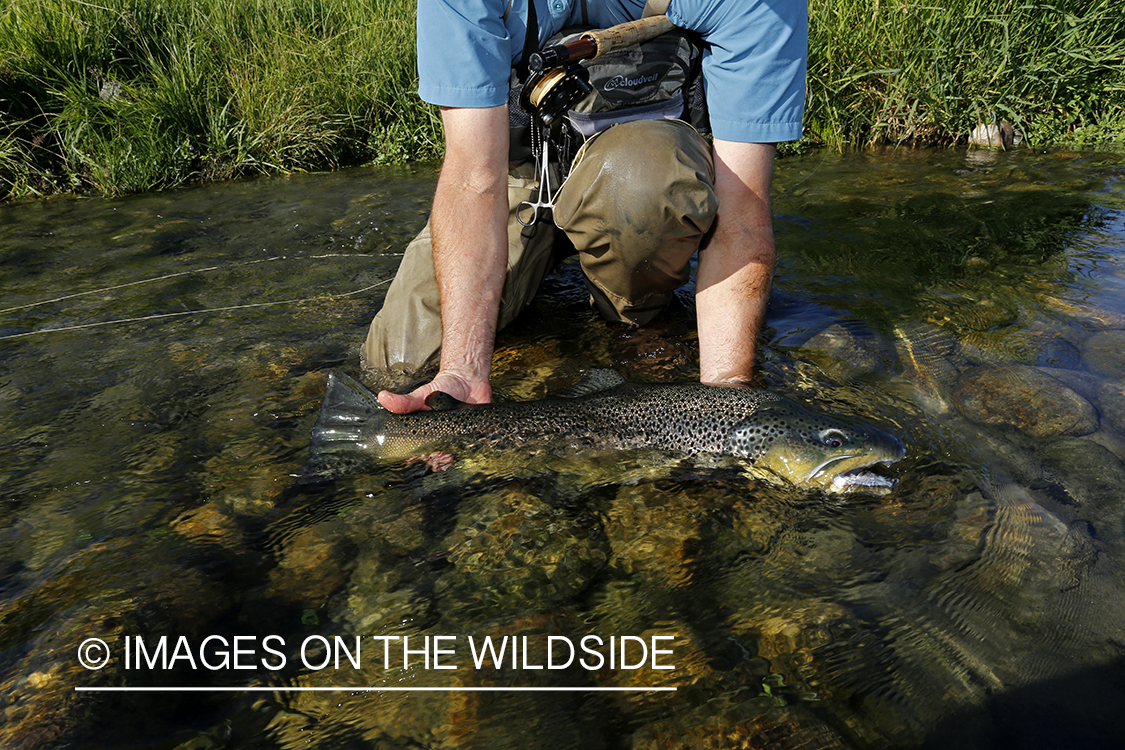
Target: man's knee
651, 179
636, 207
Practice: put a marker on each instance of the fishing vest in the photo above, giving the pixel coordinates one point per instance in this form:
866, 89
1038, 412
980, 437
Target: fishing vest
659, 78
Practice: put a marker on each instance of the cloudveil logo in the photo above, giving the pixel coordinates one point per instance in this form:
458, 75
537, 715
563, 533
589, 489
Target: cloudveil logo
624, 82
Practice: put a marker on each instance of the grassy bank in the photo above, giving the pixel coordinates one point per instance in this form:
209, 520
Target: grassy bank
125, 95
118, 96
900, 72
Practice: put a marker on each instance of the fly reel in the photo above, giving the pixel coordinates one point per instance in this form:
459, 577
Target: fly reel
556, 79
548, 94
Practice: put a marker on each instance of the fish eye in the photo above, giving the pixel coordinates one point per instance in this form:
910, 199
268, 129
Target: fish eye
833, 438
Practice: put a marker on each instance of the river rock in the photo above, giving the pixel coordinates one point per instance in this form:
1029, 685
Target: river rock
697, 666
790, 633
925, 358
1092, 475
314, 562
1111, 399
511, 551
1026, 399
1057, 353
390, 590
458, 718
1082, 383
942, 517
1094, 478
655, 534
752, 723
844, 353
993, 135
1086, 315
209, 524
1104, 353
823, 554
968, 315
1111, 440
125, 587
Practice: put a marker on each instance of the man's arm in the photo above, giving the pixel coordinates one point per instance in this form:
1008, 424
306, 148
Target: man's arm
470, 245
736, 266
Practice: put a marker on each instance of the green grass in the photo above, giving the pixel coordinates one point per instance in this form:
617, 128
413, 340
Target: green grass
117, 96
926, 74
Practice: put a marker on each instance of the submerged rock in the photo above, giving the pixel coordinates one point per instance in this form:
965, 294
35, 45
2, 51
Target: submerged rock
845, 353
787, 636
390, 589
1092, 475
513, 551
698, 668
136, 587
1085, 314
454, 719
209, 524
312, 564
655, 534
925, 357
1111, 399
1024, 398
1082, 383
1113, 441
752, 723
1104, 353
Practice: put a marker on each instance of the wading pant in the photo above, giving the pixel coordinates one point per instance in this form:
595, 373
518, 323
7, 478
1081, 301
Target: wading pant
638, 200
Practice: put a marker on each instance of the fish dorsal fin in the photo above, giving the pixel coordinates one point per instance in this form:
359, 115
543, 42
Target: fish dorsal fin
441, 401
595, 381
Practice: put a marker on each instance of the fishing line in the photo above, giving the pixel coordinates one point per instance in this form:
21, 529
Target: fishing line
106, 289
172, 276
806, 177
160, 316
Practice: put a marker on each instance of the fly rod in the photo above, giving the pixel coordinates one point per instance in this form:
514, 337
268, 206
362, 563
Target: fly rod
590, 44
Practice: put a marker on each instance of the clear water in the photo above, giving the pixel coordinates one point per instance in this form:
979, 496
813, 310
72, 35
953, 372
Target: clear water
162, 358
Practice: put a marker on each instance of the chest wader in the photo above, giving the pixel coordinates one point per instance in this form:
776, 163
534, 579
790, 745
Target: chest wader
637, 199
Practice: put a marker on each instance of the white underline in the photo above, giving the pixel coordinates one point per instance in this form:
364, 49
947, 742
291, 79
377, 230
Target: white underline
374, 689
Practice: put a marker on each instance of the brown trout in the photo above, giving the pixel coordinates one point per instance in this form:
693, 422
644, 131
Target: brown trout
606, 413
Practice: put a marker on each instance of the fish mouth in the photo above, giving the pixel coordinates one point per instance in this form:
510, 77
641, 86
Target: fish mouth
859, 478
863, 479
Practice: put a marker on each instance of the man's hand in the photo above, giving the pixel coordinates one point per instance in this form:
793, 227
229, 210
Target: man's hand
470, 246
457, 387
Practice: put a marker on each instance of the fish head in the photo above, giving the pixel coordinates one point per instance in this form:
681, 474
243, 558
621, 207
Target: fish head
816, 450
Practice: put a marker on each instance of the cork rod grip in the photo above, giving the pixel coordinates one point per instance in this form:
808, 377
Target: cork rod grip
626, 34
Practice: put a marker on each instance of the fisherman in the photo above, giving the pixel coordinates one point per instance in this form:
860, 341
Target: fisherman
640, 198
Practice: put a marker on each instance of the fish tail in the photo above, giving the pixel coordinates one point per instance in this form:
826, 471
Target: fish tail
347, 409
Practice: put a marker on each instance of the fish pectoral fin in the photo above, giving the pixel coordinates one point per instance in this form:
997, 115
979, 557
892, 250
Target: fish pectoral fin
595, 381
441, 401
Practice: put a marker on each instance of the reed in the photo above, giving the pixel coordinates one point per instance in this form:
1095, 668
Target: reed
905, 72
119, 96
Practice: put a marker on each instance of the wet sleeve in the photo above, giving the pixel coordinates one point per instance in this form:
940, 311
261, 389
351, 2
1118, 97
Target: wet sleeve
464, 53
754, 68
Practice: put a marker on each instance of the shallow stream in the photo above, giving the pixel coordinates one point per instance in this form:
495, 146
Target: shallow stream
162, 358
